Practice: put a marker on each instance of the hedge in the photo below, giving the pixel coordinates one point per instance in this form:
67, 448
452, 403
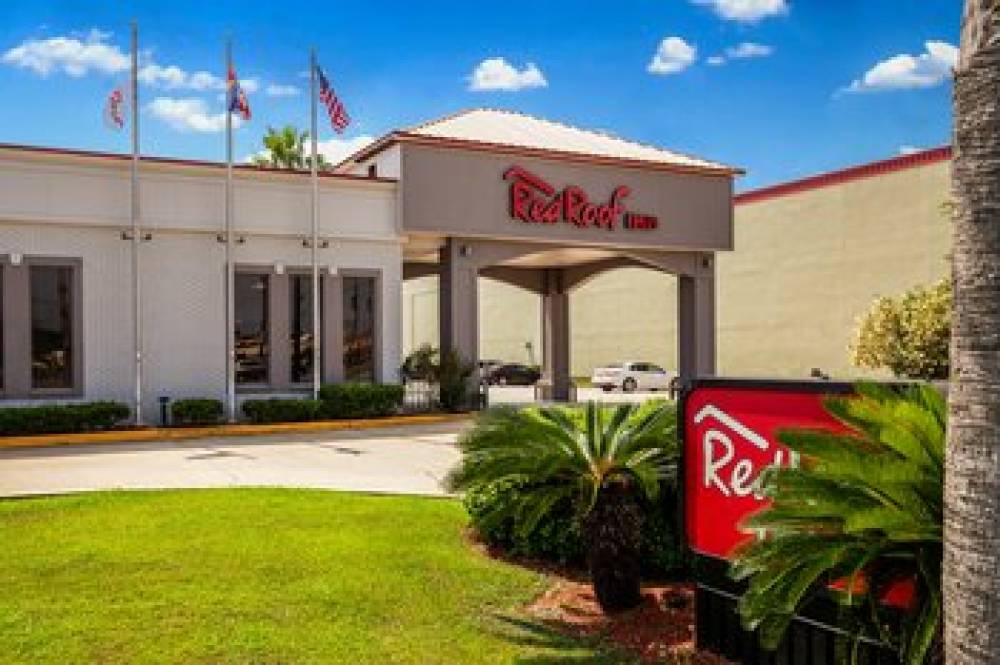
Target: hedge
337, 401
281, 410
361, 400
196, 412
61, 418
557, 537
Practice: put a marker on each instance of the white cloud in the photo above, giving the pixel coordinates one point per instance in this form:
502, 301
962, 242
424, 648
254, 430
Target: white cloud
746, 11
749, 50
173, 77
742, 51
498, 74
337, 150
78, 56
278, 90
905, 72
72, 55
189, 115
909, 149
672, 56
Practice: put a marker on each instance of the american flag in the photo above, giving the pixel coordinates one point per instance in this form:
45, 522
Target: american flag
334, 107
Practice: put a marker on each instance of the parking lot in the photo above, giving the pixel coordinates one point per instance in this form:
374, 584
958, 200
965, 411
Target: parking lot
526, 395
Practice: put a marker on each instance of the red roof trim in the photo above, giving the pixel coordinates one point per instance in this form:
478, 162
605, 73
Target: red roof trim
882, 167
170, 161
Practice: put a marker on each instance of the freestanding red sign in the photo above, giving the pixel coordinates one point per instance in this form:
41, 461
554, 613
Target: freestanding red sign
730, 430
730, 436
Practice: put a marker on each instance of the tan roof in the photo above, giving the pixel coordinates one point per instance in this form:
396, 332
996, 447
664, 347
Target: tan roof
516, 131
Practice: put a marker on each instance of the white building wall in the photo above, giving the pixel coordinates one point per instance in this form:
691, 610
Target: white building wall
59, 207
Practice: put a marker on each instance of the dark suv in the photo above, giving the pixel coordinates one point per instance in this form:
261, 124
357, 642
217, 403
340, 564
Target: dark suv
513, 374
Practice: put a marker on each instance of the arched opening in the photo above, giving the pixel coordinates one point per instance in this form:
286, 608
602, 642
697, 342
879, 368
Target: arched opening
530, 294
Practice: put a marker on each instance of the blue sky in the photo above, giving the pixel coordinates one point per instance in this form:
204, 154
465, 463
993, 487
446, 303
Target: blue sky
762, 84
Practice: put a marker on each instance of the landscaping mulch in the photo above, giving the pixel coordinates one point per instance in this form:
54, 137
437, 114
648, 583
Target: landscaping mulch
660, 630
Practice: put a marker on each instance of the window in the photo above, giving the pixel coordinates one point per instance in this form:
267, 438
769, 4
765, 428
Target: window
359, 328
301, 326
250, 333
2, 383
51, 303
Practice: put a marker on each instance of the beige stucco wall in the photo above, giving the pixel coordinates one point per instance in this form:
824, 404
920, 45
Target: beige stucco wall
625, 314
509, 319
806, 265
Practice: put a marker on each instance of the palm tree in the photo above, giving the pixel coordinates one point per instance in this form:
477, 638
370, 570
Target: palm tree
972, 489
286, 148
604, 462
863, 512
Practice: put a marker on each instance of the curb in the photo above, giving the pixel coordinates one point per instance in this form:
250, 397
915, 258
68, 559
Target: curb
185, 433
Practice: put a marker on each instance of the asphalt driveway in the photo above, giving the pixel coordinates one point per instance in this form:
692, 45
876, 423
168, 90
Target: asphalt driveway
406, 460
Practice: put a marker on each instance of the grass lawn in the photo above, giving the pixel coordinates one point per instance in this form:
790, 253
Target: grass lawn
248, 575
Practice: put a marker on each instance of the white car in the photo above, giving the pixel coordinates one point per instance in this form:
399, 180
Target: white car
632, 376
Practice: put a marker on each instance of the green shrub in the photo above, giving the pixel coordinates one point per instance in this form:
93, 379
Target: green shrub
360, 400
420, 364
61, 418
281, 410
908, 335
452, 376
196, 412
557, 537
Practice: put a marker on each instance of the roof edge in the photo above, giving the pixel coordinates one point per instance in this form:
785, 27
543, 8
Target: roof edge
172, 161
403, 136
840, 176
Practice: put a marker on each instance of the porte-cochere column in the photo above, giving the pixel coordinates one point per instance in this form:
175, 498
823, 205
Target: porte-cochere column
458, 309
696, 320
555, 336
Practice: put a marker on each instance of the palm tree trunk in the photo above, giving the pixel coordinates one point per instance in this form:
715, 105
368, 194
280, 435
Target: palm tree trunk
972, 484
612, 533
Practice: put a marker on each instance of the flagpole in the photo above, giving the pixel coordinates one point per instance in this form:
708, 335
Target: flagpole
136, 237
315, 230
230, 273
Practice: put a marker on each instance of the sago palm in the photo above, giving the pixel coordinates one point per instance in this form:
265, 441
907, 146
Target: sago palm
862, 511
604, 461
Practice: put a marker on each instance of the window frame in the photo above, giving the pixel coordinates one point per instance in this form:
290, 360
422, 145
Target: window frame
4, 318
298, 271
279, 326
18, 383
377, 307
268, 272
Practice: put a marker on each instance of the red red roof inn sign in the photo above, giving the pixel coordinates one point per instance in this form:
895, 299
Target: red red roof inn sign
535, 201
730, 430
730, 436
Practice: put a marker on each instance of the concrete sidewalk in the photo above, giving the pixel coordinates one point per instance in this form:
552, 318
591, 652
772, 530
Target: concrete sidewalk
406, 460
